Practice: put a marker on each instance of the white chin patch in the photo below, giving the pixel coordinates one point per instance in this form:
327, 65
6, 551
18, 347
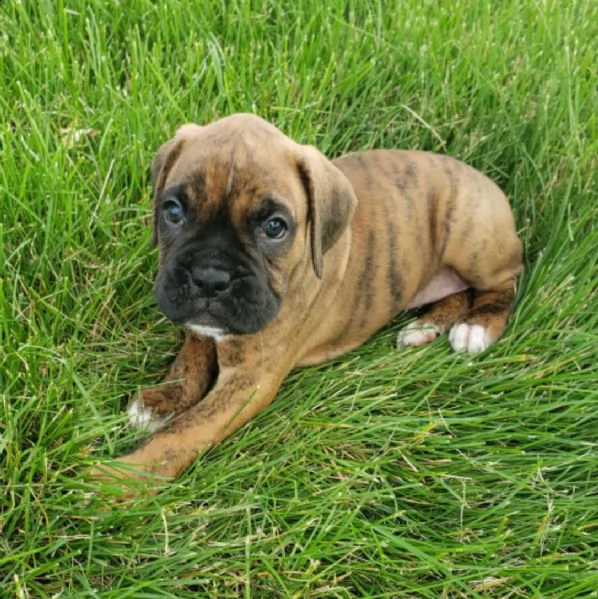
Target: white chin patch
417, 333
470, 338
143, 418
215, 333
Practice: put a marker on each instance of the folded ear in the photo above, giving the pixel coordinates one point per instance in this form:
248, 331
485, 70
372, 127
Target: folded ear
162, 164
331, 202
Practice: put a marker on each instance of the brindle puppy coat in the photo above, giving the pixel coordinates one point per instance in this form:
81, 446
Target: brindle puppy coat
273, 256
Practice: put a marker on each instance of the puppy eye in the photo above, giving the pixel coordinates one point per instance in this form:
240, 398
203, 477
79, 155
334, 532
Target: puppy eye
173, 212
275, 228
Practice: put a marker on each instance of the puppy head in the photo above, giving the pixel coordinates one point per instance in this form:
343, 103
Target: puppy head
234, 203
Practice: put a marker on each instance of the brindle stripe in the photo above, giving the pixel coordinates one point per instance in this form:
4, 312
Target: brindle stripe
450, 203
366, 170
407, 178
386, 171
393, 277
388, 204
411, 172
357, 295
472, 215
432, 218
231, 176
366, 282
406, 183
499, 304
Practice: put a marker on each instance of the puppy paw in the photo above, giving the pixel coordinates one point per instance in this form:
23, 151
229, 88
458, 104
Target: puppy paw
469, 338
144, 418
417, 333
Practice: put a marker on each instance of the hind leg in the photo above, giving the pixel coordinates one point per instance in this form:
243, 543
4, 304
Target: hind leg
486, 252
439, 317
486, 320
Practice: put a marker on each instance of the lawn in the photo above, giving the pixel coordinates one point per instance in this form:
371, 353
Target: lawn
386, 473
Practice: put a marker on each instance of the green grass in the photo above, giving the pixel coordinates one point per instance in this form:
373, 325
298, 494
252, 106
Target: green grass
384, 474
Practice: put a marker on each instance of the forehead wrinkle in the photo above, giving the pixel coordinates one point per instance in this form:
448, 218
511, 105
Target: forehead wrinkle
231, 173
194, 186
230, 177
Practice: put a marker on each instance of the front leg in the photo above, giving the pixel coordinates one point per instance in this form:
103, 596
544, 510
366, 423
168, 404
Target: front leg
247, 382
191, 376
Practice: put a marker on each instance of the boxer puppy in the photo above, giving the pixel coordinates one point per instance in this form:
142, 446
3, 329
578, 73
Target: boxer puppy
273, 256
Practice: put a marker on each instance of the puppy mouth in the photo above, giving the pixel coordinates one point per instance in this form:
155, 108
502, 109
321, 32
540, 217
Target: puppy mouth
229, 314
198, 312
207, 320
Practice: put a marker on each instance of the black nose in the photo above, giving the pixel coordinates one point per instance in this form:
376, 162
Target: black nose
210, 281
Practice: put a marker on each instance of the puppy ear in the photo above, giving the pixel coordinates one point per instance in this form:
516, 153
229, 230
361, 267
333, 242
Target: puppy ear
331, 202
162, 164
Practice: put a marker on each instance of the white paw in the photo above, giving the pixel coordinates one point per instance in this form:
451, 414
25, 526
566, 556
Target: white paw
143, 418
417, 333
470, 338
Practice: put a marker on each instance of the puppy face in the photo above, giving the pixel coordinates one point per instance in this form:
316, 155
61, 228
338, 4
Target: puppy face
233, 211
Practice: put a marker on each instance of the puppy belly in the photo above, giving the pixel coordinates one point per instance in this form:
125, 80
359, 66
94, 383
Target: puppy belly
443, 284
